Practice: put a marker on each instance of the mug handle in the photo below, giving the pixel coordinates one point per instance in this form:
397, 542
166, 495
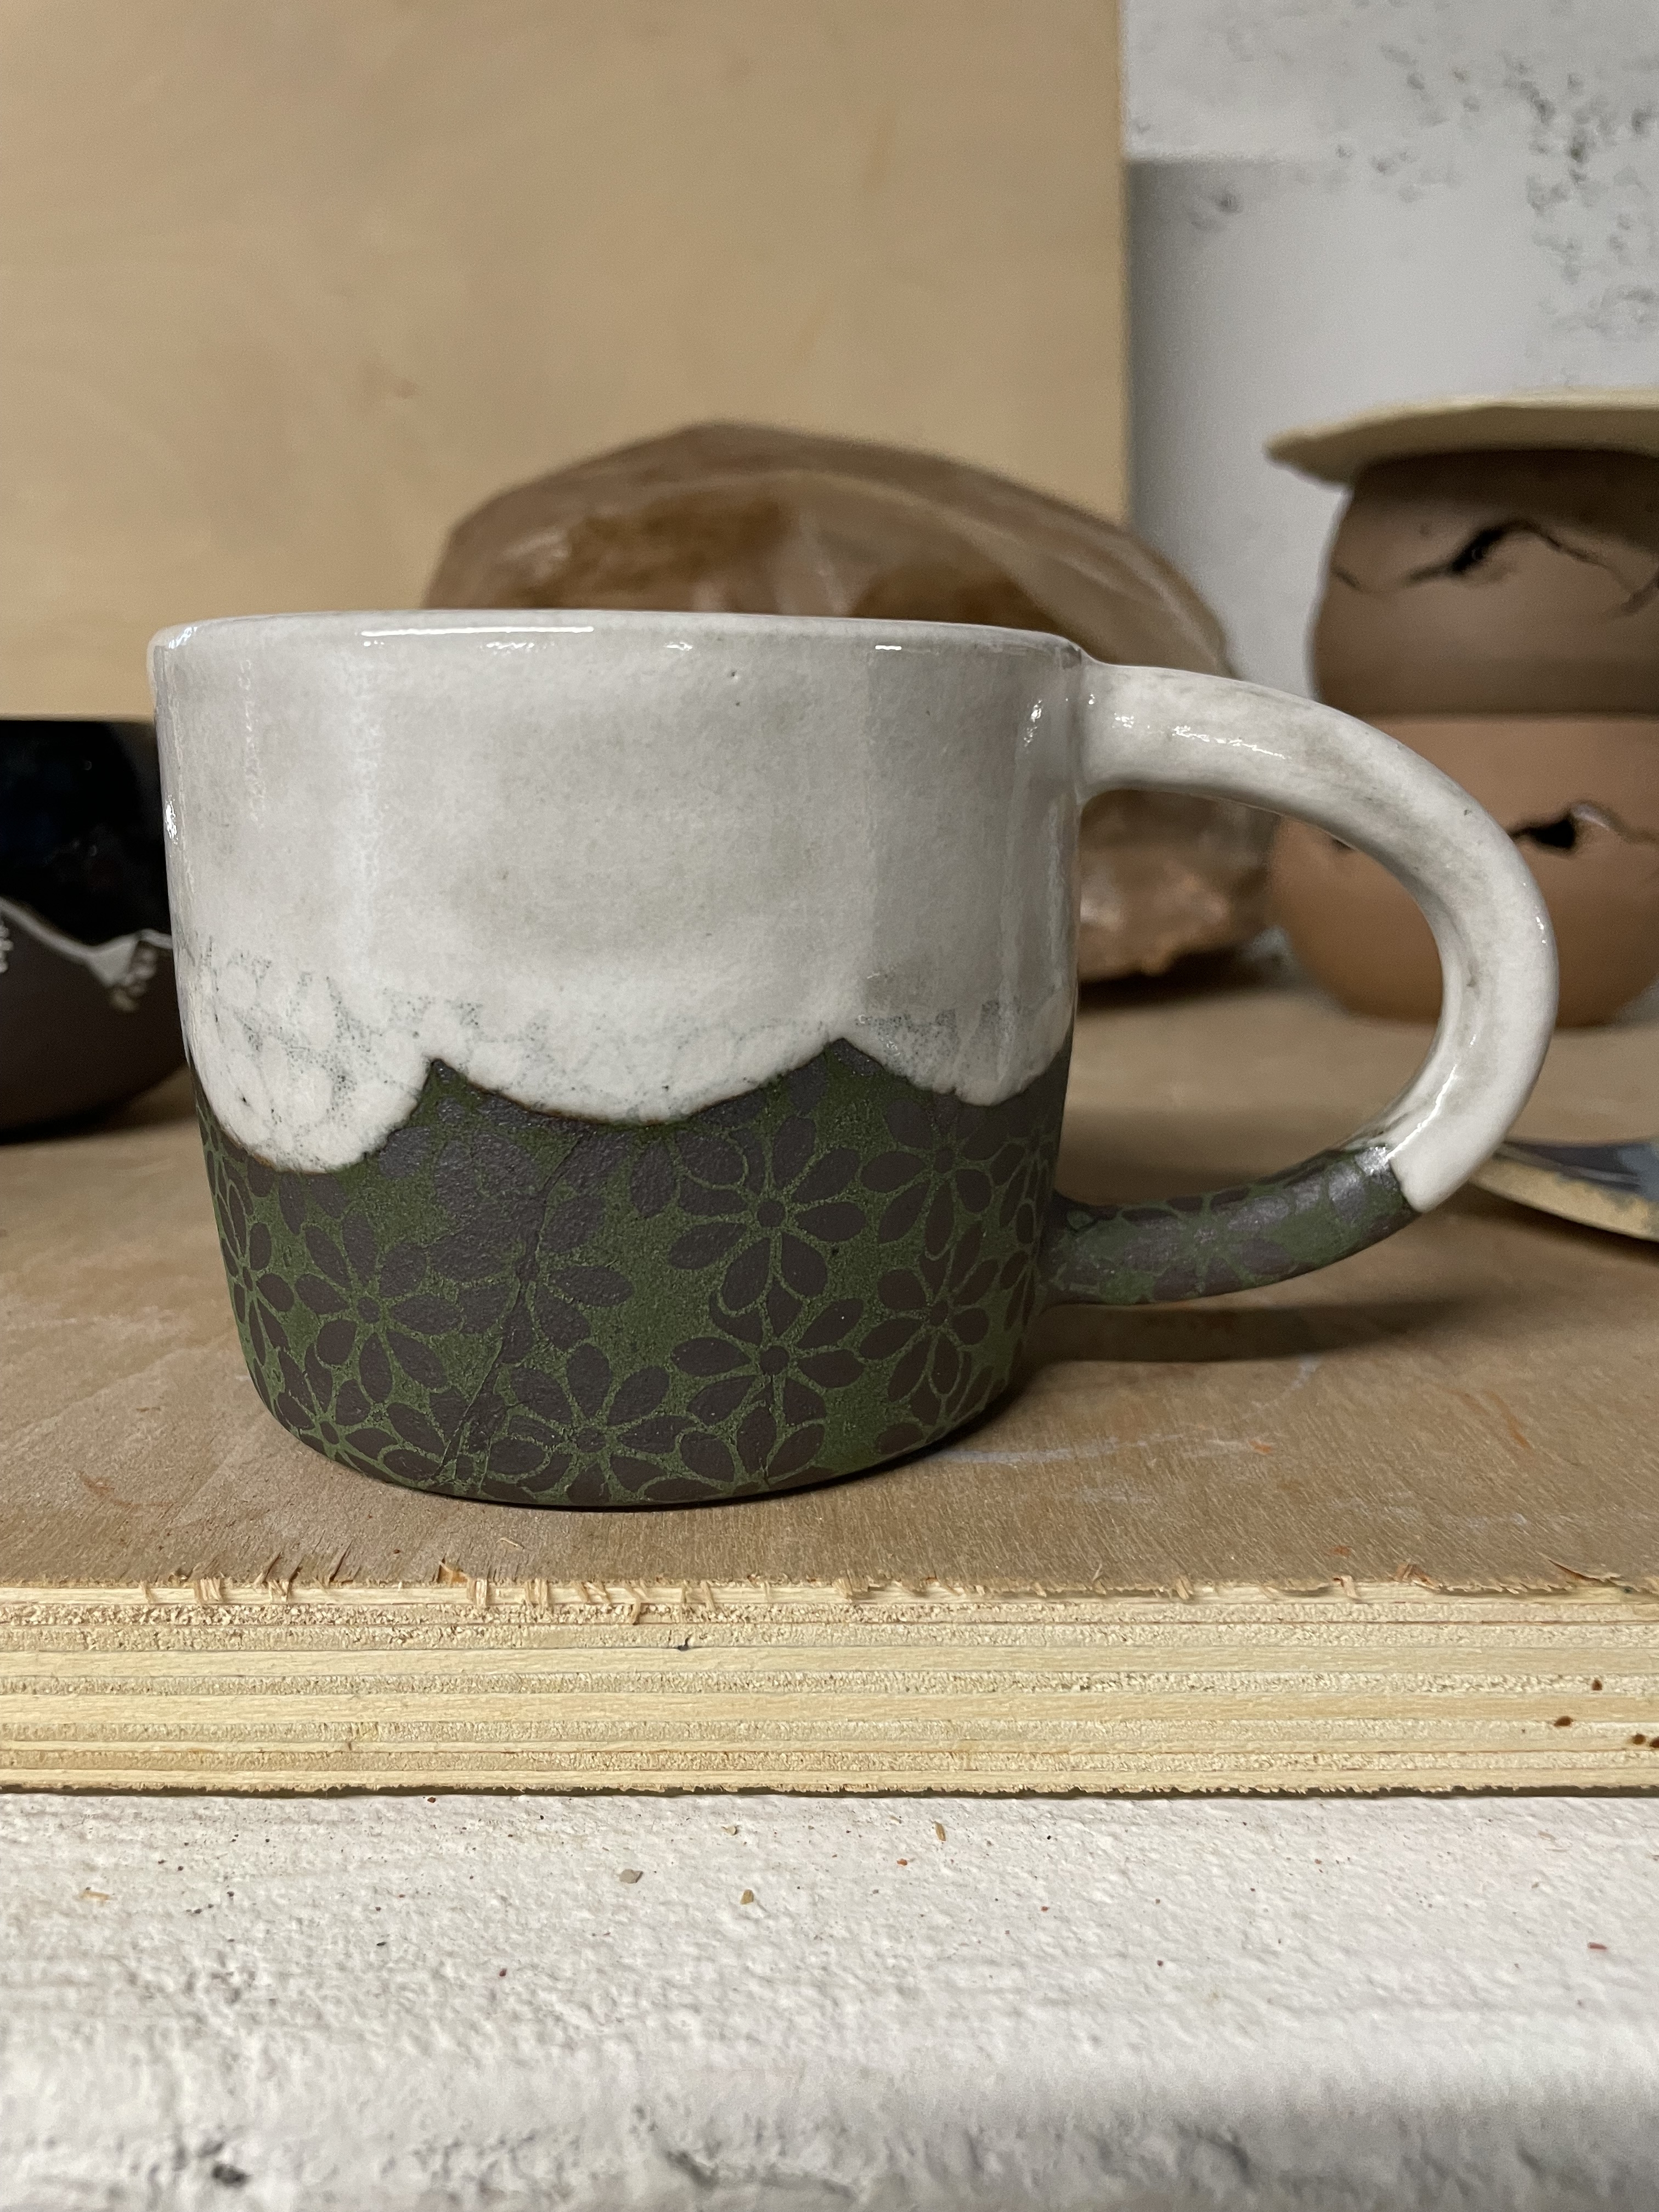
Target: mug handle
1163, 729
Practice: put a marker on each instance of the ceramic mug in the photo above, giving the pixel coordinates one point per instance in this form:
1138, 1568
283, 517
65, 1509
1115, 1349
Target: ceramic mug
631, 1046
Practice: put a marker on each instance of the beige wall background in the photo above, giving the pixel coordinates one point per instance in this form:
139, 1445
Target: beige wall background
286, 286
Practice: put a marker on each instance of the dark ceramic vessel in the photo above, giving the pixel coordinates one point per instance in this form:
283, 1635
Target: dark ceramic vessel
88, 1015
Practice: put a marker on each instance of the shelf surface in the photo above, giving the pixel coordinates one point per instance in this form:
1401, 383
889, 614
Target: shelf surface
1382, 1527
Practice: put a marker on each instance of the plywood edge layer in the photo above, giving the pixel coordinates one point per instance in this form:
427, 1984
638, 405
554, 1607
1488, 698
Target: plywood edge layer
369, 1609
730, 1687
1324, 1776
895, 1750
1168, 1704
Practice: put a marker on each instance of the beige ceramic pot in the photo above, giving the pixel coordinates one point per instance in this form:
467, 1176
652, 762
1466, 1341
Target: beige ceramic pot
1580, 796
1511, 583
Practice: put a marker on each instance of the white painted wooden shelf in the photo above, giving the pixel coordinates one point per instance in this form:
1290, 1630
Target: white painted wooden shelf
829, 2005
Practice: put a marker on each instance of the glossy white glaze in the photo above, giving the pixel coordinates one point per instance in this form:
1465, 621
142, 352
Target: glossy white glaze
623, 866
615, 864
1165, 728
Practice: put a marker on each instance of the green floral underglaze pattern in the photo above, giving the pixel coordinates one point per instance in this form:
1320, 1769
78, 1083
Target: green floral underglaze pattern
800, 1283
805, 1282
1238, 1239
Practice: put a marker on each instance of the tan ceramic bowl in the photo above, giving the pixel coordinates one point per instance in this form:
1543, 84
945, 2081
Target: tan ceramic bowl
1580, 795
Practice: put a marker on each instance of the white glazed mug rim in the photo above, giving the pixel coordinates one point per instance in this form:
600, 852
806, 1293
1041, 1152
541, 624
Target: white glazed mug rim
482, 622
1161, 729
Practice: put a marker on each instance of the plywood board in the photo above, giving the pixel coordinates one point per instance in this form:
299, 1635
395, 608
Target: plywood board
285, 290
1386, 1525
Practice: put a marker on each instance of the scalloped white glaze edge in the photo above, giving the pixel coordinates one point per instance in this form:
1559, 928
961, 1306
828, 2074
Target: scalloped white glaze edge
623, 866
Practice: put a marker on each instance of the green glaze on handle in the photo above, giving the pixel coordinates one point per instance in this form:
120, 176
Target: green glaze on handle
1236, 1239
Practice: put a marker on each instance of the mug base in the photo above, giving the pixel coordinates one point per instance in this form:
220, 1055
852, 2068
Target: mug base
810, 1281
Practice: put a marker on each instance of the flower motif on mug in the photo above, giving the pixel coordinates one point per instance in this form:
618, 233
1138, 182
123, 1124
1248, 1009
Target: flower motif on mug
375, 1318
944, 1154
761, 1381
577, 1437
936, 1320
333, 1412
739, 1181
258, 1294
259, 1297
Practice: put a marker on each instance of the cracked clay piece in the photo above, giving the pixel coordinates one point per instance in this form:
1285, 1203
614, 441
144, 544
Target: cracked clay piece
1503, 583
741, 518
1580, 796
1492, 599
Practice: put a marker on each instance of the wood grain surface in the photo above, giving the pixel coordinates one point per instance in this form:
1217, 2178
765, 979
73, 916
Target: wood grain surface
1385, 1524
